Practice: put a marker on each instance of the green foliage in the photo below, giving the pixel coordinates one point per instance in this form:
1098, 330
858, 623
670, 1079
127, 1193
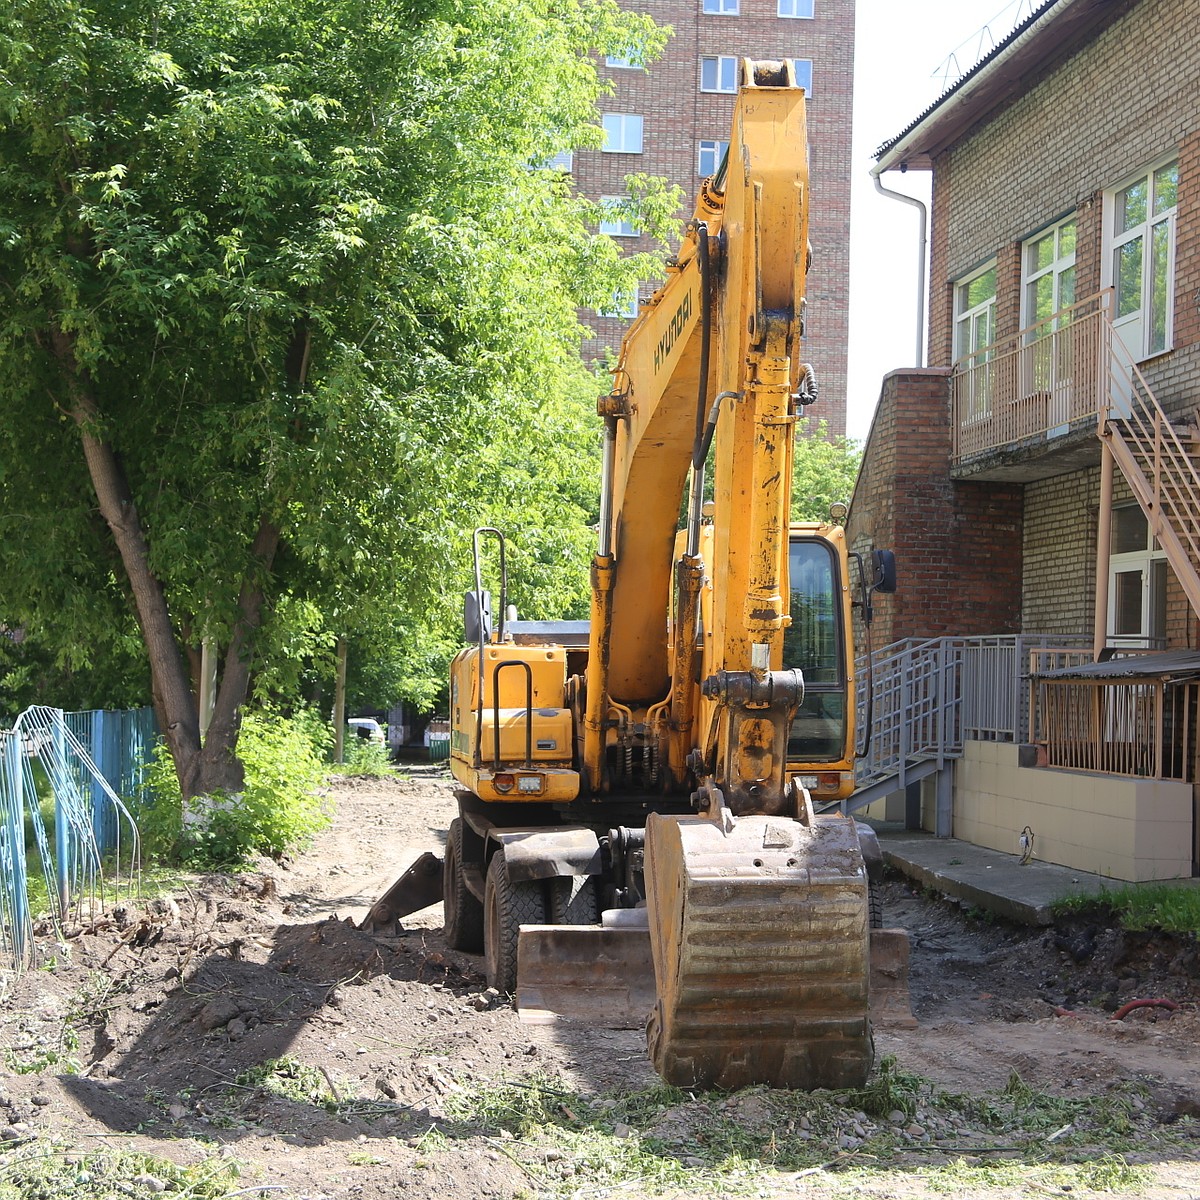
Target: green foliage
823, 472
364, 758
749, 1142
280, 810
1173, 907
297, 255
42, 1171
290, 1078
890, 1089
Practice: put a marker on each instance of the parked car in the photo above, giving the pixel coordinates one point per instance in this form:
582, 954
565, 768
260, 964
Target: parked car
367, 729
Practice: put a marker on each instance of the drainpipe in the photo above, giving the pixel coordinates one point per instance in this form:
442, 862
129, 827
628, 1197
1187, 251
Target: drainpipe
920, 206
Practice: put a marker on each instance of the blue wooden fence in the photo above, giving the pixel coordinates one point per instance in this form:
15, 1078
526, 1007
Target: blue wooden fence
91, 763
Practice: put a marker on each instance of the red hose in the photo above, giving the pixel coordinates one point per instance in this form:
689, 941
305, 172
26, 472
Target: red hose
1126, 1009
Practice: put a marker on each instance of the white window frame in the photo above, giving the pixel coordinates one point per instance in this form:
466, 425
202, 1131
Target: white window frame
720, 8
724, 73
1135, 326
804, 74
968, 317
794, 9
1048, 362
616, 224
623, 133
622, 64
974, 357
1151, 563
1060, 268
709, 150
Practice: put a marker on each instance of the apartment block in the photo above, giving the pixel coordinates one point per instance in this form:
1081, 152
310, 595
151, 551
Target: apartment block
672, 119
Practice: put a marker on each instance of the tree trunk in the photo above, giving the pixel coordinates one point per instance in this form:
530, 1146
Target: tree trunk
168, 675
215, 767
220, 766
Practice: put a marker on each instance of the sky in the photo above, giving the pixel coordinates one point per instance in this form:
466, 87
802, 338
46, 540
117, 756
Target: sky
901, 52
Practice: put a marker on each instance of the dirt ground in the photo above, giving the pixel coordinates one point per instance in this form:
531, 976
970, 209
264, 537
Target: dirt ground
249, 1018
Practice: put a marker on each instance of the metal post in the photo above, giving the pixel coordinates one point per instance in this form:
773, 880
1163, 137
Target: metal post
943, 821
13, 816
1103, 549
339, 704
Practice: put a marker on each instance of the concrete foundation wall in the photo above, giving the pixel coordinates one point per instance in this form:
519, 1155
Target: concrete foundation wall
1123, 828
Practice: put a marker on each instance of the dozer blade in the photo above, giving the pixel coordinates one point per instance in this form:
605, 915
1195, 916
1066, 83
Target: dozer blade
760, 943
889, 980
418, 888
592, 973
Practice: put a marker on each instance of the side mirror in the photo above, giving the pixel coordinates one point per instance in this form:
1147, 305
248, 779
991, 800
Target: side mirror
477, 617
883, 563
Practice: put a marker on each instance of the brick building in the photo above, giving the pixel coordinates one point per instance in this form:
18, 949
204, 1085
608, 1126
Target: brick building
1041, 477
672, 119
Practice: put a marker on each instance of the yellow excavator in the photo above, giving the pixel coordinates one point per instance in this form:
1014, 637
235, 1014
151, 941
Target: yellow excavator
638, 836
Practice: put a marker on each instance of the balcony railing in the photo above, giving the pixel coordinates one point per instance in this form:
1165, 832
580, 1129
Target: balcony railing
1034, 384
1142, 727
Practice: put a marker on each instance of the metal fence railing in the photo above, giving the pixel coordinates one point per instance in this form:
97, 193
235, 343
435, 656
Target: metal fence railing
930, 696
64, 779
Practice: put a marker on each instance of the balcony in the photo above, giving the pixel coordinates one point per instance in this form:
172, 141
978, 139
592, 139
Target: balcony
1016, 402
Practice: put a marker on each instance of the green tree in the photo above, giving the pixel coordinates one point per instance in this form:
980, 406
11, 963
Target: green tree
281, 289
823, 472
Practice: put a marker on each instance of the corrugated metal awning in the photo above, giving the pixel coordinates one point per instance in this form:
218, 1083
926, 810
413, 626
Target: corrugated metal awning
1171, 666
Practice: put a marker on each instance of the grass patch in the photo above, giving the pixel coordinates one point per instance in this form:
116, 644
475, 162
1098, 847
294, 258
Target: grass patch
36, 1171
1171, 907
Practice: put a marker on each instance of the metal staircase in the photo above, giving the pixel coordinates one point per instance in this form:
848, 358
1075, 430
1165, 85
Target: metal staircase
1160, 461
921, 699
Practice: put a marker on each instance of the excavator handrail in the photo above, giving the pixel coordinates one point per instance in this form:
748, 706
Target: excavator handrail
511, 662
483, 631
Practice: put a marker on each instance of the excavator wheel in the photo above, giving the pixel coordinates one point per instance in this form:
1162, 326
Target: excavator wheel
462, 920
507, 905
573, 901
760, 935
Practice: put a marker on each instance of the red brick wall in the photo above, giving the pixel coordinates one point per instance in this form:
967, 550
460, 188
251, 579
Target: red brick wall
677, 115
957, 545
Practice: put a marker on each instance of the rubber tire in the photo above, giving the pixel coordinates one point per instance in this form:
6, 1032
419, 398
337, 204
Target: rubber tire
573, 900
506, 907
462, 916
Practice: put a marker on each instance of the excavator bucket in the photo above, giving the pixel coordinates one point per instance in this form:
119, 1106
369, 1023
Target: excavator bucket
418, 888
600, 975
760, 936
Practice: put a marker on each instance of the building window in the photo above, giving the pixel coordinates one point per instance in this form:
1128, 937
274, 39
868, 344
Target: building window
1141, 265
622, 133
563, 161
616, 222
709, 156
804, 74
624, 306
796, 8
721, 8
975, 313
1137, 583
1047, 296
974, 332
623, 63
718, 74
1048, 272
